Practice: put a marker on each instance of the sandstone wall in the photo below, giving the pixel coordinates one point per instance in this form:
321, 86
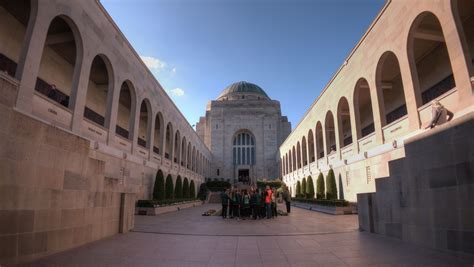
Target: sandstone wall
428, 197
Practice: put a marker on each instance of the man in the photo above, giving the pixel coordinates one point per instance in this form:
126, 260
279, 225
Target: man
268, 201
225, 203
439, 114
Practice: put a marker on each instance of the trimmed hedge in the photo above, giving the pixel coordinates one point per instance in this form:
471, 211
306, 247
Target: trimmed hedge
192, 189
202, 194
185, 188
331, 188
324, 202
303, 187
169, 187
216, 186
298, 189
155, 203
309, 188
277, 183
159, 187
320, 187
178, 188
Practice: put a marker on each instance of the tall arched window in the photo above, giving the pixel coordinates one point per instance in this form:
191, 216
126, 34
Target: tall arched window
243, 149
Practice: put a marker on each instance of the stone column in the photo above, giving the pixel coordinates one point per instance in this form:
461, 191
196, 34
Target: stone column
337, 134
134, 122
412, 98
30, 57
79, 91
378, 110
151, 134
458, 51
112, 109
355, 128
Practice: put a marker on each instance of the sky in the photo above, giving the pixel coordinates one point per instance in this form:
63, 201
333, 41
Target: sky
290, 48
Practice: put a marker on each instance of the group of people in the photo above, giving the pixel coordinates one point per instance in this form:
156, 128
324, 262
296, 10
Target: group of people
253, 203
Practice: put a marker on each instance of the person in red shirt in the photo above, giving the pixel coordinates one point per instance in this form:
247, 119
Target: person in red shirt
268, 201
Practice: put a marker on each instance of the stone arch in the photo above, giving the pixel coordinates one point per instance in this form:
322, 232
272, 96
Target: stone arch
126, 107
429, 59
99, 91
61, 58
330, 130
319, 140
158, 132
390, 89
462, 11
364, 116
344, 122
144, 122
243, 148
21, 13
169, 141
183, 151
304, 151
312, 157
298, 155
177, 138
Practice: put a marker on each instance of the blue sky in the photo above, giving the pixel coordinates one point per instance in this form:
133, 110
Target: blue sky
290, 48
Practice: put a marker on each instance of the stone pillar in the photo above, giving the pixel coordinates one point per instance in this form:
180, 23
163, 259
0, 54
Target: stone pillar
412, 98
378, 110
337, 134
151, 134
324, 141
79, 91
458, 51
30, 57
355, 126
112, 110
134, 123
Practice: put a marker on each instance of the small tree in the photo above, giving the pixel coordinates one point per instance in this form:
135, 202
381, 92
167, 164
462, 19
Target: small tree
331, 188
169, 187
309, 188
159, 187
303, 188
192, 189
185, 188
298, 189
178, 188
320, 187
341, 188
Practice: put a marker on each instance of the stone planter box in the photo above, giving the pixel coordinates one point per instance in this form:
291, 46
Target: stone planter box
167, 208
351, 209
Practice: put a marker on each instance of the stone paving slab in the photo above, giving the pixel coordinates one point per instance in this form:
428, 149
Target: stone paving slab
349, 248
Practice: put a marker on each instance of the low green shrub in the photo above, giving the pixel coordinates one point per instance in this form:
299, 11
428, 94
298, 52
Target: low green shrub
324, 202
178, 188
156, 203
216, 186
320, 191
309, 188
331, 188
169, 187
159, 187
192, 189
277, 183
298, 189
185, 188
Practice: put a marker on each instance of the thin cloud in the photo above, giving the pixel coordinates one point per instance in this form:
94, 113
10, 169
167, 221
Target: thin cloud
154, 64
177, 92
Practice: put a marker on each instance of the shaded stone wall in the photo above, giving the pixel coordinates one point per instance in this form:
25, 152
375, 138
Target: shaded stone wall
428, 197
53, 194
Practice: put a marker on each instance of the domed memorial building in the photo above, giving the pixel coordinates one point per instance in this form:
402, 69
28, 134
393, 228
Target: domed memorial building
244, 128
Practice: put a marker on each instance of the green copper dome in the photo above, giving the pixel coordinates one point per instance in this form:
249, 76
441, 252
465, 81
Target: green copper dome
242, 87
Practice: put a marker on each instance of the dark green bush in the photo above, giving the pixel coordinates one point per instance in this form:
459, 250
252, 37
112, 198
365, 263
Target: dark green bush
323, 202
185, 188
298, 189
331, 188
277, 183
169, 187
192, 189
309, 188
159, 187
341, 187
202, 194
178, 188
216, 186
320, 194
303, 187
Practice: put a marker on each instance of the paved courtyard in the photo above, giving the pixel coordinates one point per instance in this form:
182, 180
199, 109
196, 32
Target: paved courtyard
304, 238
